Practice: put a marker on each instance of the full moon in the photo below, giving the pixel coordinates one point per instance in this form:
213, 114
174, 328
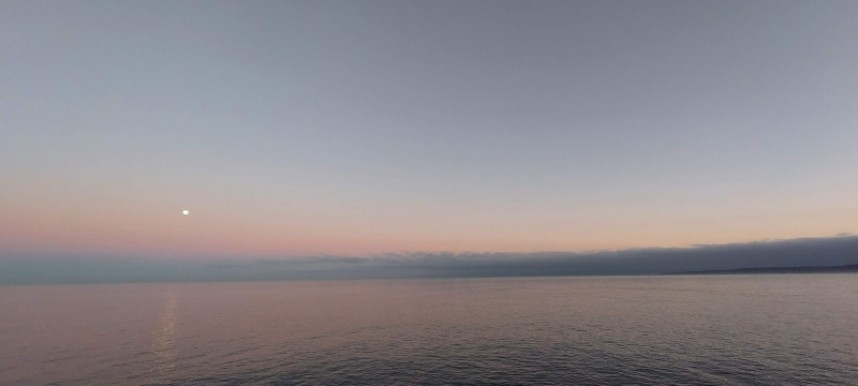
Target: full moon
186, 212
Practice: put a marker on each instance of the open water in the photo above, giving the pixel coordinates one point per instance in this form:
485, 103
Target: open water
719, 330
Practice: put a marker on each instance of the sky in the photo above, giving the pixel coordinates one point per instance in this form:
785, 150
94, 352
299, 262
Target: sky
366, 128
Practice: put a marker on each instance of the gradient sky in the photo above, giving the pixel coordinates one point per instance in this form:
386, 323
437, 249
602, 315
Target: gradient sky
366, 127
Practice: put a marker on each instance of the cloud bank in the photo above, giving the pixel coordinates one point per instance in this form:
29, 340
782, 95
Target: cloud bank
830, 251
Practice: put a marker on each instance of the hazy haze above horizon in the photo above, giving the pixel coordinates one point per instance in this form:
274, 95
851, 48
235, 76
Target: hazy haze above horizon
355, 128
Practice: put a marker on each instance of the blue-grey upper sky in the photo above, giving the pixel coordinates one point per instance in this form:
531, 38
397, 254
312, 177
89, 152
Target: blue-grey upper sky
355, 127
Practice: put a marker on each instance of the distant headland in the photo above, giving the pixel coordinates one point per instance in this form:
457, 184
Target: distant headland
760, 270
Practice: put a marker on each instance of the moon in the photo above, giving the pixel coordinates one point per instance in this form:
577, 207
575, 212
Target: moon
186, 212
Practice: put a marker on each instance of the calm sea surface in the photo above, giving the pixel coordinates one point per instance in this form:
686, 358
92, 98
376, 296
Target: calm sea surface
761, 330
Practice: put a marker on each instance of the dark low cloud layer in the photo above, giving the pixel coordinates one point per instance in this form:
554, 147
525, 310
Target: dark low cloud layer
832, 251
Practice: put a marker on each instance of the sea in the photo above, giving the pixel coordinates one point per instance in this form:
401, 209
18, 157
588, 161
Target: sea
799, 329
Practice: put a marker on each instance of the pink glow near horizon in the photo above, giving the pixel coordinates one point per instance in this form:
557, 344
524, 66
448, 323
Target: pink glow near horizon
132, 229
